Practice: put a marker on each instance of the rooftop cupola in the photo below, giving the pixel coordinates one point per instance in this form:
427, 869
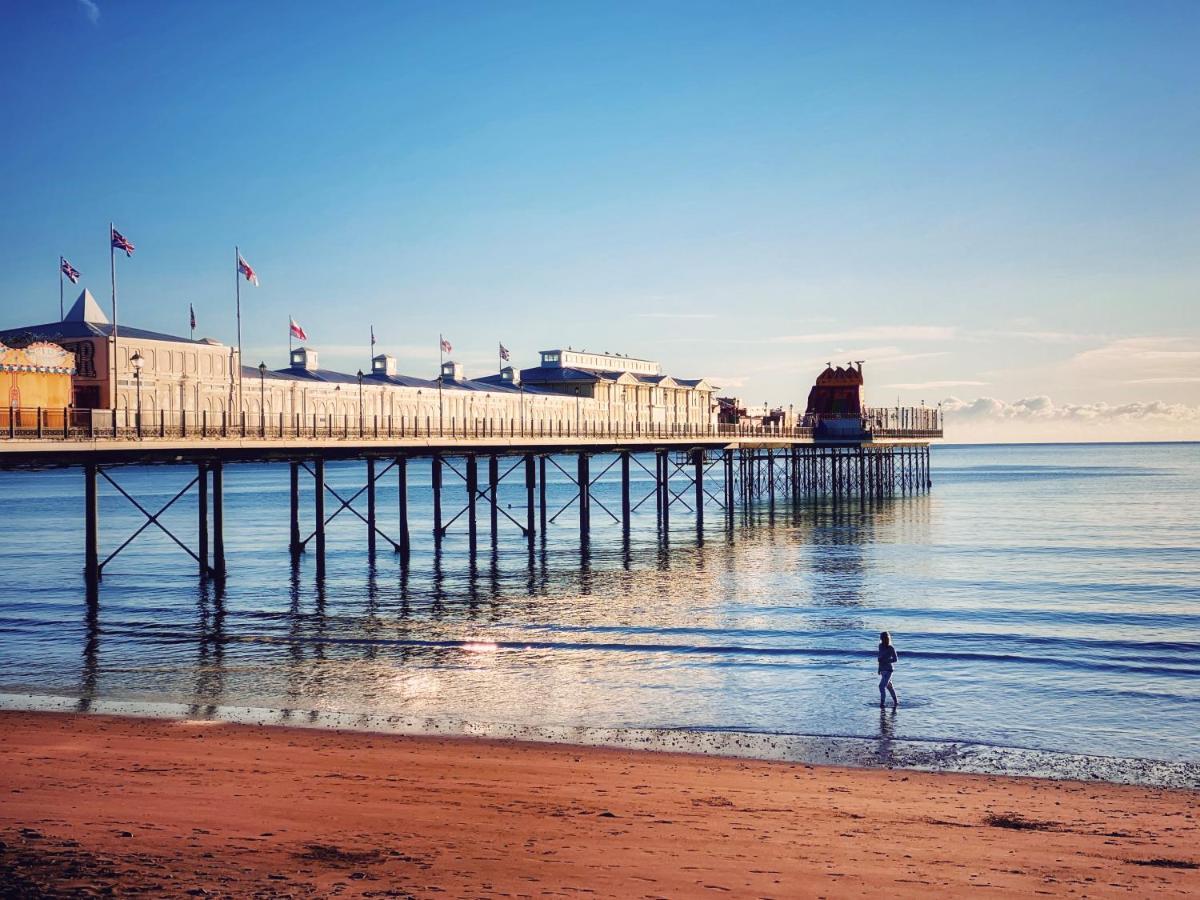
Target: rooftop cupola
304, 358
383, 364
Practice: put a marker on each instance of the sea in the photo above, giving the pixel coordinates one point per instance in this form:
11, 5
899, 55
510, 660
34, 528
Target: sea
1044, 601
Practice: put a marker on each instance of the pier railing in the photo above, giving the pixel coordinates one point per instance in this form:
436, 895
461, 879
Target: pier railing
71, 424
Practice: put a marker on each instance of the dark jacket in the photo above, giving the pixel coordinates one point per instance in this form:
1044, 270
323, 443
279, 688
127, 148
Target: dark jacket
887, 658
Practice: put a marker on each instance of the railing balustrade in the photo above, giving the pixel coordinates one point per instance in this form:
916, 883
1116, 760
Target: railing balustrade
71, 424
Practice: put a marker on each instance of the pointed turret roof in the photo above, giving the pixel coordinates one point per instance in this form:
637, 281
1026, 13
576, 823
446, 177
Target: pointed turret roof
86, 309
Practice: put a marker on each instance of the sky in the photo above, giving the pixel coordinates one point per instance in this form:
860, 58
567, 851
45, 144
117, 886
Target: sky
996, 206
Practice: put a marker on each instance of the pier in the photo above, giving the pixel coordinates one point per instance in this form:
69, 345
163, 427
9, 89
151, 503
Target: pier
695, 471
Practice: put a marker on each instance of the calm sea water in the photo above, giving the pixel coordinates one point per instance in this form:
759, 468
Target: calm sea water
1040, 596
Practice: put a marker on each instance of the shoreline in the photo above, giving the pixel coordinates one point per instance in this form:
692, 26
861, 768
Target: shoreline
200, 807
853, 752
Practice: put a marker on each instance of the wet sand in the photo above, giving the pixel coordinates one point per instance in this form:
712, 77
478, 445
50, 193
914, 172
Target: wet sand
195, 808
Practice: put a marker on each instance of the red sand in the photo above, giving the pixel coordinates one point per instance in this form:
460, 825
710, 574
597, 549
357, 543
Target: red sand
181, 808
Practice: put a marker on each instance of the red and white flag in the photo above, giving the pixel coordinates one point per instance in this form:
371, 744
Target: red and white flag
446, 348
297, 331
244, 269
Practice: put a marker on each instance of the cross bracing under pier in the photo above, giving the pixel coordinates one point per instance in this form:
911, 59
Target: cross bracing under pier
712, 471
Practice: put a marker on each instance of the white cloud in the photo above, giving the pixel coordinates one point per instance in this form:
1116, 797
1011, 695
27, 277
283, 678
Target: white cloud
91, 10
1043, 408
1039, 418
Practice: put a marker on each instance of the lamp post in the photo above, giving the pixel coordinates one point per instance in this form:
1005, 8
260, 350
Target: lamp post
521, 387
137, 362
262, 399
360, 403
577, 409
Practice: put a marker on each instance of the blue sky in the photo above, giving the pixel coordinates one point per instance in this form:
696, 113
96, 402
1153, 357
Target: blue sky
996, 203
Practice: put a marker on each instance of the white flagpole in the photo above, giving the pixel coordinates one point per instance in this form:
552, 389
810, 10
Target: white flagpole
61, 314
237, 282
290, 339
441, 363
112, 268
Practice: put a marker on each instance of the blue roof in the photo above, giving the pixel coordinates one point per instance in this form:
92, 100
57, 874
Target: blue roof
67, 330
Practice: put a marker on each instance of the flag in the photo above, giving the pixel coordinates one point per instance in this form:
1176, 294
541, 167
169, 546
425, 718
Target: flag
244, 269
446, 348
504, 353
297, 331
70, 271
120, 242
372, 337
192, 313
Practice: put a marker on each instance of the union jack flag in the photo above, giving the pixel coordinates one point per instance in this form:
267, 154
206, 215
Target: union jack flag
120, 242
244, 269
446, 348
69, 270
504, 353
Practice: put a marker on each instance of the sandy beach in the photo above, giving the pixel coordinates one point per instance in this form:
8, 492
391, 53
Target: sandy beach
205, 809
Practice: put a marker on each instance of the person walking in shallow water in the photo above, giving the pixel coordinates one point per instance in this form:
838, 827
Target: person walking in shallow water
887, 661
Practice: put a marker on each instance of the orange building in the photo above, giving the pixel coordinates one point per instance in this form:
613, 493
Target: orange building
35, 377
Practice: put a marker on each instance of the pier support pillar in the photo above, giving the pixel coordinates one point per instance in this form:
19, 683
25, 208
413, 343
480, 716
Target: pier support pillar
319, 513
771, 476
542, 495
371, 506
472, 490
435, 475
493, 493
585, 498
728, 454
698, 462
664, 488
625, 491
202, 517
91, 539
530, 484
218, 517
403, 547
294, 507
